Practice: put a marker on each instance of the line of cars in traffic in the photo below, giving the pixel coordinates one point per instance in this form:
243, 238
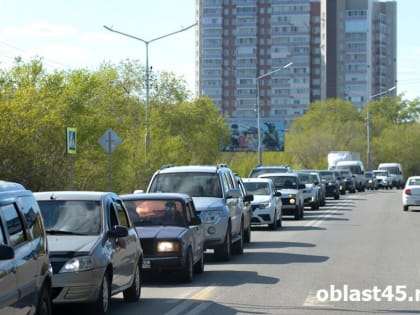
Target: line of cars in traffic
83, 247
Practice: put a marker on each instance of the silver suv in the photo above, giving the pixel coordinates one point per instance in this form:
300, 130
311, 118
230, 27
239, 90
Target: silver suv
25, 277
217, 200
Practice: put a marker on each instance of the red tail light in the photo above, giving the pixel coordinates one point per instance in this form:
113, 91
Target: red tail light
407, 191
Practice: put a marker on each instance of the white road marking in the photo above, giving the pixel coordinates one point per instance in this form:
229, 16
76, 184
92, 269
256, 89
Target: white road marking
202, 295
312, 301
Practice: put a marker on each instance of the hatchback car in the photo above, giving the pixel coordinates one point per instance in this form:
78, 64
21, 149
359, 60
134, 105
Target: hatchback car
267, 205
332, 187
170, 231
411, 193
311, 195
291, 190
372, 182
25, 270
384, 179
94, 248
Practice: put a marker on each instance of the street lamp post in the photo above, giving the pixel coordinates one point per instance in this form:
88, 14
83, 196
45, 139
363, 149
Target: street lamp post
258, 108
147, 42
368, 123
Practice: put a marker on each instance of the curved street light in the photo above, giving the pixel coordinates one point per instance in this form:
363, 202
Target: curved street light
258, 107
368, 123
147, 42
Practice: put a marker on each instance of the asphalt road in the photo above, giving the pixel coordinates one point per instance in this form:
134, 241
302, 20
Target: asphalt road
356, 255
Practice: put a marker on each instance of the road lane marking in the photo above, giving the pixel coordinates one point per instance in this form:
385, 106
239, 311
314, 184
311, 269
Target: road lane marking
202, 295
312, 301
318, 220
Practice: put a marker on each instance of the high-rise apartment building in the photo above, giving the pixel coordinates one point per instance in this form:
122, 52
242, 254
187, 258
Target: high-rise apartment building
359, 49
338, 48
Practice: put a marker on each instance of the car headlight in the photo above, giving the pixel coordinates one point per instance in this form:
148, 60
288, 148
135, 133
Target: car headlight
264, 205
292, 200
211, 217
82, 263
167, 246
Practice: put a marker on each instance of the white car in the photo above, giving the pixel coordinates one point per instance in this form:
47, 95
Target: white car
411, 193
267, 205
291, 190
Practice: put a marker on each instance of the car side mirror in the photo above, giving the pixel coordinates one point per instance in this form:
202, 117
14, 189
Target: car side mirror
6, 252
248, 198
118, 231
195, 221
277, 193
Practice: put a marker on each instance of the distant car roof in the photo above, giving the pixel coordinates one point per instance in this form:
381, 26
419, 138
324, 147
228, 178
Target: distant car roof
256, 179
72, 195
191, 168
278, 174
160, 196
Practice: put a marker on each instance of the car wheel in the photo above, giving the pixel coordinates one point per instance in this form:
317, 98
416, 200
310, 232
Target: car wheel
199, 265
44, 303
273, 225
102, 304
187, 273
132, 294
302, 213
405, 208
247, 236
223, 251
280, 221
297, 213
238, 246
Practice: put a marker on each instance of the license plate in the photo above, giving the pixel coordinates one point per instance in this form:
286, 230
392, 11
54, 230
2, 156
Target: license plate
146, 264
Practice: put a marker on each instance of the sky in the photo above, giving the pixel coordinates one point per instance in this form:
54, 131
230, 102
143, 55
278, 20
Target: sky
70, 34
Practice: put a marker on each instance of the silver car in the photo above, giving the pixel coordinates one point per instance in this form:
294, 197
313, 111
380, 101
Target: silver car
94, 249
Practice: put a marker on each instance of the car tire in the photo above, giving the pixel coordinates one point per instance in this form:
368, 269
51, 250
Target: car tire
280, 221
238, 246
302, 213
247, 236
199, 265
187, 273
102, 304
297, 213
405, 208
273, 226
223, 252
44, 304
132, 294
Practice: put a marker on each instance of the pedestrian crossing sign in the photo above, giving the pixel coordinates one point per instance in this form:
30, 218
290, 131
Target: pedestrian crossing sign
71, 140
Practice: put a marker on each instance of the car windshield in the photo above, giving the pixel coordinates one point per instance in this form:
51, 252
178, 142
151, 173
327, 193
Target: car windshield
414, 182
368, 174
305, 179
82, 217
381, 173
195, 184
327, 175
282, 182
257, 188
155, 212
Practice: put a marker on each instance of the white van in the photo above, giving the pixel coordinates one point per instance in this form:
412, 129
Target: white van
396, 172
358, 171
